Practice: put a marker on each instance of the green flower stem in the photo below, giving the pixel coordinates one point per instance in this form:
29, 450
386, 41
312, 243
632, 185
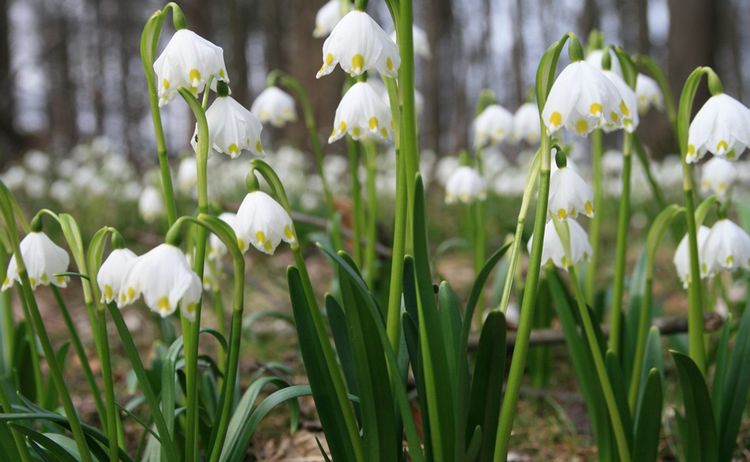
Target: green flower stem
596, 221
36, 366
520, 351
113, 426
370, 257
75, 339
7, 326
516, 246
149, 42
352, 148
218, 303
623, 449
293, 84
169, 449
695, 306
646, 164
621, 247
192, 328
23, 451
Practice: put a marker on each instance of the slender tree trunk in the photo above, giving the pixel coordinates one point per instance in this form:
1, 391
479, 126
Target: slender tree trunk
238, 61
518, 54
10, 140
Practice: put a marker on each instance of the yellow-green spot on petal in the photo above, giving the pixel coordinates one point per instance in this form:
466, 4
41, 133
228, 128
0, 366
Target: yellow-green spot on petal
194, 74
358, 62
555, 119
241, 244
6, 281
163, 305
342, 127
288, 232
624, 108
614, 116
222, 73
260, 237
373, 122
589, 208
233, 149
107, 291
389, 63
582, 126
32, 281
384, 132
731, 154
562, 214
131, 293
355, 132
165, 83
258, 146
268, 246
722, 145
691, 149
595, 109
191, 308
329, 59
60, 279
730, 260
44, 279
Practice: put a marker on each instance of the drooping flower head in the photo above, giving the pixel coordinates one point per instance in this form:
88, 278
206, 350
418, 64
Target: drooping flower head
553, 249
187, 61
232, 128
649, 94
493, 125
44, 261
727, 247
526, 124
112, 273
721, 127
275, 106
628, 116
165, 279
362, 114
326, 18
595, 59
359, 44
718, 176
465, 185
263, 222
582, 99
681, 258
569, 194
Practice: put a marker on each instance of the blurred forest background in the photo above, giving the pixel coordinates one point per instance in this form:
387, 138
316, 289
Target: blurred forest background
71, 70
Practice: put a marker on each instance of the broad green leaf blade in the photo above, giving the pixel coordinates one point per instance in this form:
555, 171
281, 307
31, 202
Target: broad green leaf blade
487, 383
648, 424
621, 394
700, 441
330, 405
56, 451
341, 339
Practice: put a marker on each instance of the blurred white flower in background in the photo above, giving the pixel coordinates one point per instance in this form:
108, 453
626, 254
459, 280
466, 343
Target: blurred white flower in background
727, 247
150, 204
493, 125
14, 177
61, 191
721, 127
187, 61
187, 174
358, 44
419, 40
681, 258
465, 185
362, 114
649, 94
526, 125
35, 186
445, 168
718, 177
275, 106
44, 260
37, 161
326, 18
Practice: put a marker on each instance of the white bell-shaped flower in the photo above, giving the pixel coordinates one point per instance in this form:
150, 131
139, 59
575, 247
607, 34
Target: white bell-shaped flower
569, 194
187, 61
187, 174
358, 44
526, 125
492, 126
419, 40
465, 185
649, 94
263, 222
595, 59
165, 279
681, 258
150, 204
628, 116
553, 249
112, 273
718, 176
727, 247
326, 18
216, 248
362, 114
581, 99
721, 127
44, 261
232, 128
274, 105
